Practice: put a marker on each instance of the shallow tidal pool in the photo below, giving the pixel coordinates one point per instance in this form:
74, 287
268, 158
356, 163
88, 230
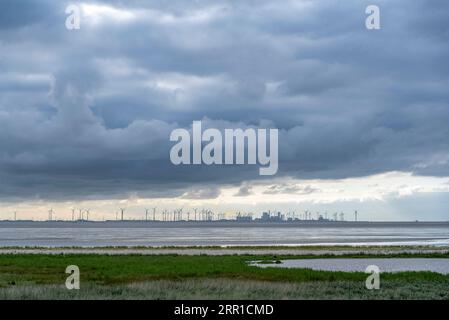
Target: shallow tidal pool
439, 265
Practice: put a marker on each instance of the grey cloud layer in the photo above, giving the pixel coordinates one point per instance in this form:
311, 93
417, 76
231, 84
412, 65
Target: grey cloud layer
89, 112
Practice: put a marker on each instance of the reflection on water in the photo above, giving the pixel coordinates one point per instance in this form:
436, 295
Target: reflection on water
215, 236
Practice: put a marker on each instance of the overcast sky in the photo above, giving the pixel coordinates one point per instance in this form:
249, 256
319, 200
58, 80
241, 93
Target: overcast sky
86, 115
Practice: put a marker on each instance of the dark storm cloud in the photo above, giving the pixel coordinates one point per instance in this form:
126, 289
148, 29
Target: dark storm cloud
243, 191
88, 113
15, 14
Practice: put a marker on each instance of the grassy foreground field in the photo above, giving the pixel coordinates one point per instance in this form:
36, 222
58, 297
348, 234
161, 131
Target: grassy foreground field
24, 276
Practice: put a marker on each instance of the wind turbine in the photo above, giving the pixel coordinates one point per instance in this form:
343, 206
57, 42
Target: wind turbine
210, 215
154, 213
87, 214
202, 215
122, 210
179, 214
195, 209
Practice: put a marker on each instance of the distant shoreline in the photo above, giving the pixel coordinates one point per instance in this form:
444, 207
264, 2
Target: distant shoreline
339, 250
222, 224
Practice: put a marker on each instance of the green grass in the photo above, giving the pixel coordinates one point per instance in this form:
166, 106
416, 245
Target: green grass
234, 289
202, 276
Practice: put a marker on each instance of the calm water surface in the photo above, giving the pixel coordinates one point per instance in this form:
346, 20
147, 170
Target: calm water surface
219, 236
360, 265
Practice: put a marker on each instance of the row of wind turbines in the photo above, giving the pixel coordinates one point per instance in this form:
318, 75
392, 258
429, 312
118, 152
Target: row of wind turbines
195, 214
